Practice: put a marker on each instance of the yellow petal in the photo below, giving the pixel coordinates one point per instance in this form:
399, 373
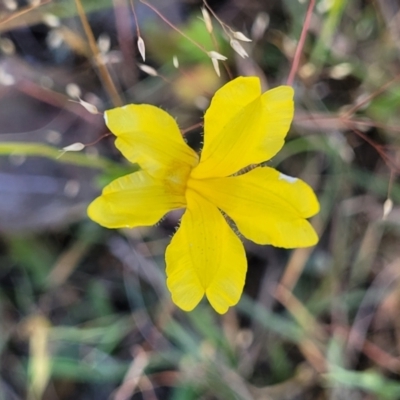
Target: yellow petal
135, 200
150, 137
225, 104
268, 207
205, 257
243, 127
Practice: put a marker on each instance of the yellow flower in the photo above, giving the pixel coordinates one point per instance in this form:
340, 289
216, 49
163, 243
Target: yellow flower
242, 127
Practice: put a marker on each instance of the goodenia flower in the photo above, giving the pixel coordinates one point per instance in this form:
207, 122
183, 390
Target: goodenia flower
242, 128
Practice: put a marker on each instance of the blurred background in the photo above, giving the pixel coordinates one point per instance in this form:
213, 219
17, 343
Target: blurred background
84, 311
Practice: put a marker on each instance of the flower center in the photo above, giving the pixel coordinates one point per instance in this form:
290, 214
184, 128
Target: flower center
176, 178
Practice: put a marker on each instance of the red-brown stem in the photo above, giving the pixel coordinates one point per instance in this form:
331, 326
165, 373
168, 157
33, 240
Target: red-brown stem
300, 45
372, 96
386, 159
190, 128
173, 26
136, 19
98, 140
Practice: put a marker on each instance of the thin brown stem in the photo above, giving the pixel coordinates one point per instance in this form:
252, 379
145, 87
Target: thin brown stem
382, 89
135, 18
99, 139
300, 45
103, 71
24, 11
223, 25
190, 128
387, 160
173, 26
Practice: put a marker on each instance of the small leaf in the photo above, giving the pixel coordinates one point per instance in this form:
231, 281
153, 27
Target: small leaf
78, 146
216, 66
73, 90
104, 43
51, 20
175, 61
238, 48
387, 208
142, 48
207, 19
89, 107
149, 70
241, 36
217, 56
